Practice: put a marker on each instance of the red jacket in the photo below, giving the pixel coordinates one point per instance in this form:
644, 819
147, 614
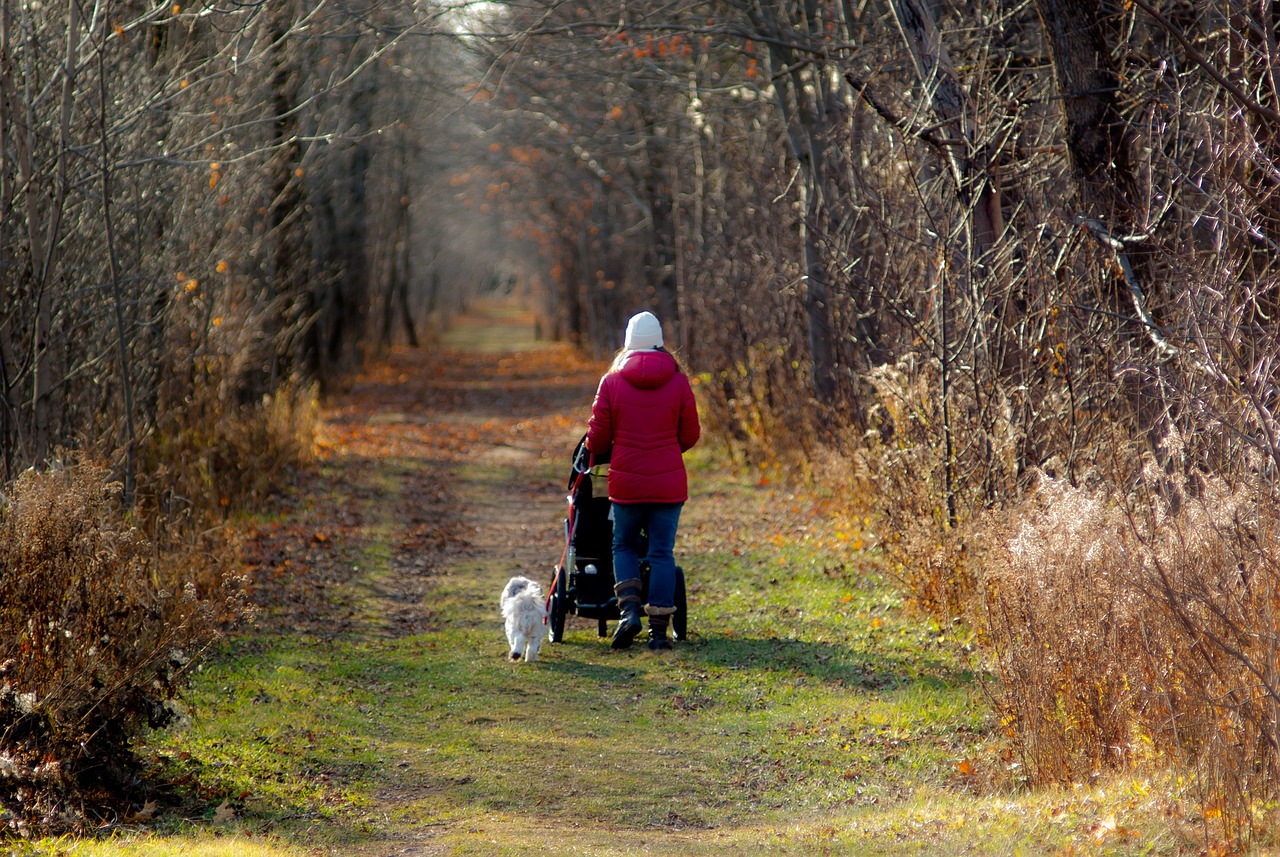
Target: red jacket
644, 418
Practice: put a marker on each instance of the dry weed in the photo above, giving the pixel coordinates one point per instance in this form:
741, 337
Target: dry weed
211, 454
1126, 627
1123, 617
95, 638
1064, 629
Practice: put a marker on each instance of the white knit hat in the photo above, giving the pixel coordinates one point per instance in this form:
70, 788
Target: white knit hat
643, 331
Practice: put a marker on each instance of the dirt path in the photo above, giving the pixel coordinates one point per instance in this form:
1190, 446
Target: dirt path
443, 474
398, 448
373, 713
440, 479
432, 421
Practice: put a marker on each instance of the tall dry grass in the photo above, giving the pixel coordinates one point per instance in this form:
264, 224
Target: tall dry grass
1126, 627
1065, 630
211, 454
1127, 613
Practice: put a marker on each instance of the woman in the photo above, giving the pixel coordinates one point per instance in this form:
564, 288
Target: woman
644, 418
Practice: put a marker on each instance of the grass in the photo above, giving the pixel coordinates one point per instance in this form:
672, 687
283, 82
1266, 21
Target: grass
750, 717
808, 714
494, 327
203, 844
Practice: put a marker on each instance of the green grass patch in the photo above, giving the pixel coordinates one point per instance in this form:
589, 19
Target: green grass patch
803, 692
807, 714
494, 327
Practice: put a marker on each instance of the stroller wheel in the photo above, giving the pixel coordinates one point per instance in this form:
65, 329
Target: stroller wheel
680, 619
559, 609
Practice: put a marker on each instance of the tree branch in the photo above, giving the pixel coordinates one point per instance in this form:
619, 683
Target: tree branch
1199, 59
1099, 232
862, 89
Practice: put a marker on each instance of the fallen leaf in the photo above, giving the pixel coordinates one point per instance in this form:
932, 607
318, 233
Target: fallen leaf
147, 813
224, 812
1106, 828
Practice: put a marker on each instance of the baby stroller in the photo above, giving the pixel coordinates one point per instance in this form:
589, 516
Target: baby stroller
583, 581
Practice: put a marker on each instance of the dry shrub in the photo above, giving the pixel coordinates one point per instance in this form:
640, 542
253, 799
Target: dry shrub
1150, 623
229, 422
904, 453
95, 637
1210, 565
211, 453
1064, 629
105, 604
1121, 623
762, 423
925, 511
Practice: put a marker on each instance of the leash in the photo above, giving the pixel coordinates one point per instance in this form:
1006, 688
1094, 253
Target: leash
571, 529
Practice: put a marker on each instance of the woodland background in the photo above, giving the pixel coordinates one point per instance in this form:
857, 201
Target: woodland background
1007, 269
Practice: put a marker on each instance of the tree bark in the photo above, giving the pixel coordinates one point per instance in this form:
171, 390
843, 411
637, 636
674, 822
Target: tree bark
660, 249
41, 340
7, 414
287, 255
347, 325
1096, 136
798, 102
117, 298
966, 157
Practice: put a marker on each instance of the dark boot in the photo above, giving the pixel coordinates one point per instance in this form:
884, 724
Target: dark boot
658, 628
628, 592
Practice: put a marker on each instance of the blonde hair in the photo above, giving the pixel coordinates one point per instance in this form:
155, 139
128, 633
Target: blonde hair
618, 360
624, 353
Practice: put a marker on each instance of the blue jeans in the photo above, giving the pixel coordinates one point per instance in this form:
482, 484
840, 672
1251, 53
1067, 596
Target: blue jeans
660, 521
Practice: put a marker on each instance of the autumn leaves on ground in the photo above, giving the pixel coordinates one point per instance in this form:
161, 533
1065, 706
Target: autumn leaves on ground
369, 710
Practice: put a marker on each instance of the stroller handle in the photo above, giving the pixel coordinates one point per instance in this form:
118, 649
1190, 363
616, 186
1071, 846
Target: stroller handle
584, 460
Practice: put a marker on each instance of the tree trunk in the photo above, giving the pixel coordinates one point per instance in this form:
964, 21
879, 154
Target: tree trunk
966, 157
809, 136
117, 297
1096, 137
1098, 144
284, 216
41, 341
347, 327
816, 299
661, 245
7, 412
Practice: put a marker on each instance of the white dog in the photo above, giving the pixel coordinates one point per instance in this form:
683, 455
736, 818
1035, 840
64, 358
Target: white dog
525, 612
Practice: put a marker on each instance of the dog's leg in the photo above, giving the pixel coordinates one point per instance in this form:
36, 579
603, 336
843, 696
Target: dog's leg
535, 643
517, 645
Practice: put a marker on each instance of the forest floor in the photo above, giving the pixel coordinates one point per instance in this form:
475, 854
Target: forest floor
370, 709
